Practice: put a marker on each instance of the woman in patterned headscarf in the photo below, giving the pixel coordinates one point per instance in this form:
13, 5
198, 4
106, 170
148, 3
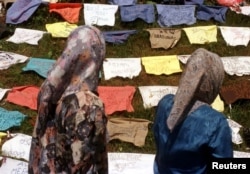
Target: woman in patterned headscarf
188, 131
70, 131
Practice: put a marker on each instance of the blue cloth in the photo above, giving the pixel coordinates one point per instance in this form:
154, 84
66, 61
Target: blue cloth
141, 11
122, 2
193, 2
10, 119
170, 15
117, 37
39, 65
206, 13
21, 10
204, 133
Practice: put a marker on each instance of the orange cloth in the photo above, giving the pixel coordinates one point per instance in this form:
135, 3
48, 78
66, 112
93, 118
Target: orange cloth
24, 96
69, 11
117, 98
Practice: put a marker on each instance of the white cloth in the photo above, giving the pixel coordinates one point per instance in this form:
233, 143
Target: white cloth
237, 65
7, 59
245, 10
235, 128
99, 14
29, 36
151, 95
121, 67
3, 92
234, 36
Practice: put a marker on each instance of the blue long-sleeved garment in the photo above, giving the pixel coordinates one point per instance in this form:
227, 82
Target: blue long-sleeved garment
203, 134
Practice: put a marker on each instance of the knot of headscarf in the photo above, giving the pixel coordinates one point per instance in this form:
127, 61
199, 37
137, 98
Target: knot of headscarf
200, 81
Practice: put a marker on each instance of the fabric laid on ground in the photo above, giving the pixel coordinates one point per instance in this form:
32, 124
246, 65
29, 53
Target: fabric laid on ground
201, 34
194, 2
122, 2
60, 29
206, 12
99, 14
164, 38
176, 15
116, 98
118, 37
238, 90
138, 11
8, 59
234, 36
9, 119
245, 10
235, 128
161, 65
69, 11
183, 58
10, 166
237, 65
24, 96
22, 151
3, 92
29, 36
121, 67
40, 65
21, 10
133, 130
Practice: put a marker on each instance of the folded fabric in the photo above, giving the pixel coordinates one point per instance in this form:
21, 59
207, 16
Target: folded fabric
237, 65
205, 12
7, 59
233, 92
99, 14
9, 119
40, 65
21, 10
117, 37
176, 15
3, 92
116, 98
29, 36
201, 34
161, 64
164, 38
133, 130
138, 11
24, 96
235, 35
122, 2
69, 11
60, 29
121, 67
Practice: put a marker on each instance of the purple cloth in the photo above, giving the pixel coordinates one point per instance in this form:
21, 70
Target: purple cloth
117, 37
169, 15
206, 13
193, 2
142, 11
122, 2
21, 10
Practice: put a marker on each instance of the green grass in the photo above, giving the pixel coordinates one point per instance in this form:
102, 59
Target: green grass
137, 45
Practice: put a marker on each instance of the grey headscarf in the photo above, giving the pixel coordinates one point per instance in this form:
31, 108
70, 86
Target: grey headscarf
200, 81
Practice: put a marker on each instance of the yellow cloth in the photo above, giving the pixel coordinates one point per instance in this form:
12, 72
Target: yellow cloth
2, 134
60, 29
218, 104
161, 64
202, 34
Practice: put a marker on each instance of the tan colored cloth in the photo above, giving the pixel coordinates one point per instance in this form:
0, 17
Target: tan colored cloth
164, 38
133, 130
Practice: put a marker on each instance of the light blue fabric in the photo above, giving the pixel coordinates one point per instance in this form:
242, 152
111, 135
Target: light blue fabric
122, 2
10, 119
170, 15
193, 2
205, 12
117, 37
141, 11
204, 134
21, 10
39, 65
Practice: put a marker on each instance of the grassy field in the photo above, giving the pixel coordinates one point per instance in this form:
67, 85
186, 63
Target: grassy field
137, 45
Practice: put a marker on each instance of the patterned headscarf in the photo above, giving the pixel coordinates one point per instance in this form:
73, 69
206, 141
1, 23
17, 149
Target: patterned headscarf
200, 81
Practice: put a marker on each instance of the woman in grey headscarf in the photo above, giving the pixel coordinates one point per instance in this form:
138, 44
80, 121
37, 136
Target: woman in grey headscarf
70, 131
188, 131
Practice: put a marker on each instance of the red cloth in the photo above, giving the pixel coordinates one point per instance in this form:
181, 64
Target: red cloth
117, 98
24, 96
69, 11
